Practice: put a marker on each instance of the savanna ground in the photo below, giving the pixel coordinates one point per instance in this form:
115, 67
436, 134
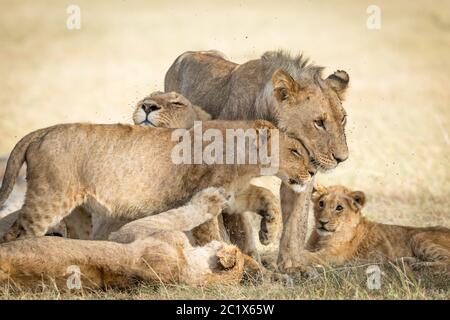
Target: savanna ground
398, 104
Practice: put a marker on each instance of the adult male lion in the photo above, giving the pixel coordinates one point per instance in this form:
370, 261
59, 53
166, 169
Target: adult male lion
285, 90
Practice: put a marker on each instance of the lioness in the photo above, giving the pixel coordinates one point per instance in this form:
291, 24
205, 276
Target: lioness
123, 171
342, 234
155, 249
285, 90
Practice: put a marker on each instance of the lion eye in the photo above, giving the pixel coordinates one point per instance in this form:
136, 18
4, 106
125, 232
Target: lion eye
295, 153
321, 204
339, 208
177, 104
344, 121
320, 124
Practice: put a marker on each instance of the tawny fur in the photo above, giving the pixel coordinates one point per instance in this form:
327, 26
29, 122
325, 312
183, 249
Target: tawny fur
285, 90
67, 168
154, 249
342, 234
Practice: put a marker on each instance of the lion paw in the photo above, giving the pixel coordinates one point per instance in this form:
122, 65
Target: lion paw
227, 256
297, 267
15, 232
214, 199
269, 227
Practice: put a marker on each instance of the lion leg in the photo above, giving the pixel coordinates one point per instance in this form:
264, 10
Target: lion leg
295, 209
270, 212
40, 212
79, 224
197, 215
263, 202
433, 249
241, 232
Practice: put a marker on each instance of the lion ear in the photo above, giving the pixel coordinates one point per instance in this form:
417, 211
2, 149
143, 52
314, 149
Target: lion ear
318, 191
338, 81
359, 198
284, 86
156, 93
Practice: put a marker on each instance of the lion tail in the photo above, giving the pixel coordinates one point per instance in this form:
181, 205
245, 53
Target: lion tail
15, 162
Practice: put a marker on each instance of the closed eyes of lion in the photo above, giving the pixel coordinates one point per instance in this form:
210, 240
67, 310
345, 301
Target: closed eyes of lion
168, 110
66, 168
342, 234
154, 249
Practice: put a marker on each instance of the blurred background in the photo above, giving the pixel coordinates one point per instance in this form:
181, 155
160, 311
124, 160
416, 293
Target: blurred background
398, 103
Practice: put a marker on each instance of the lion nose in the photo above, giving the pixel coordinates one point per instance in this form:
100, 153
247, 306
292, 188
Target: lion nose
149, 107
323, 222
339, 158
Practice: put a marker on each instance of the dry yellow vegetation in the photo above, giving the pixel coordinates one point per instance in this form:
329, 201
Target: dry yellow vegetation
398, 103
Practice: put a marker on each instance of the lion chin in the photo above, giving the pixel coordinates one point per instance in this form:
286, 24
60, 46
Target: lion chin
297, 188
323, 232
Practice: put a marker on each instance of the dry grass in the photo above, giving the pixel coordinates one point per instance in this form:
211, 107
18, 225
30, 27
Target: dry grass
398, 105
342, 283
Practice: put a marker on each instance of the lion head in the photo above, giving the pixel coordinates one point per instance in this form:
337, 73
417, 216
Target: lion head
337, 210
168, 110
310, 109
295, 169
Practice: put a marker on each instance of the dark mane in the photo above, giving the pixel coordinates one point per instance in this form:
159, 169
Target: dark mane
297, 66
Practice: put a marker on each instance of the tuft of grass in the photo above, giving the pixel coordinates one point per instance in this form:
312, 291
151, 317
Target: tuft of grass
347, 282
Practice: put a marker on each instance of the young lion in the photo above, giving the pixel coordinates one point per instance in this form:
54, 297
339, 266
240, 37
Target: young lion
155, 249
168, 110
342, 234
124, 171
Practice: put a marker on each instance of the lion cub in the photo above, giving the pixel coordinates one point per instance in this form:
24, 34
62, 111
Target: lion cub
342, 234
155, 249
128, 171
